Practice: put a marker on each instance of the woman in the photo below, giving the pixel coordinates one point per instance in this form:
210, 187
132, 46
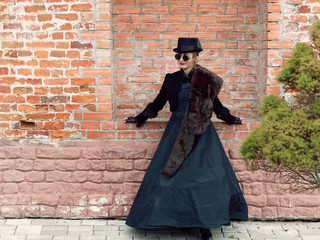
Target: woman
190, 182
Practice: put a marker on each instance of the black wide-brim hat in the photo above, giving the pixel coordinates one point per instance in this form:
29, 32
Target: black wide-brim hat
188, 45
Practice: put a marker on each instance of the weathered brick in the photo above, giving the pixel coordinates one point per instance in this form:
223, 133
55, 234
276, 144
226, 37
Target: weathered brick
24, 165
35, 44
41, 116
11, 54
82, 63
117, 153
42, 108
94, 188
13, 176
273, 200
92, 153
35, 8
45, 188
54, 63
12, 26
90, 125
12, 44
135, 153
4, 71
96, 35
131, 135
76, 44
256, 201
22, 90
44, 17
65, 165
304, 9
59, 176
42, 72
306, 201
315, 9
10, 188
141, 164
83, 165
67, 17
64, 134
45, 199
35, 176
124, 200
5, 89
13, 152
81, 7
83, 98
97, 116
53, 125
38, 134
113, 177
82, 81
54, 99
69, 153
98, 165
79, 176
99, 200
134, 176
58, 54
95, 176
99, 211
10, 117
47, 153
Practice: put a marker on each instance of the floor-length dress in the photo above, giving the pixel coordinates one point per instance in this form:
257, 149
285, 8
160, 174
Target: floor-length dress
204, 192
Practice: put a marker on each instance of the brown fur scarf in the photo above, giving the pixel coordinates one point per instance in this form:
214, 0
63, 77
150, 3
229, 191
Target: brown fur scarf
205, 86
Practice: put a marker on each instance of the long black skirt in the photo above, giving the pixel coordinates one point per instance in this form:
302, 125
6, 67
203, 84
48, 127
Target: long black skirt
204, 192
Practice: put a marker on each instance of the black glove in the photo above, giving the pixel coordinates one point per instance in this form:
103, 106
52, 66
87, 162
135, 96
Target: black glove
131, 120
230, 119
135, 120
237, 120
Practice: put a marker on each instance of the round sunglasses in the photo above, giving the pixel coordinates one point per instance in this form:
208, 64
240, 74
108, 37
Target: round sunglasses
184, 56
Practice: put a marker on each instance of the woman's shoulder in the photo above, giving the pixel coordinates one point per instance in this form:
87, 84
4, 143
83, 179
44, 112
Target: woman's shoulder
174, 74
172, 78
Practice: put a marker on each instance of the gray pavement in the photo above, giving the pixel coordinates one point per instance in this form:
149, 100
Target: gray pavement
62, 229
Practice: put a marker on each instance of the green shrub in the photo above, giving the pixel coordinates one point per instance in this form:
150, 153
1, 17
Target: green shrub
288, 138
315, 35
301, 72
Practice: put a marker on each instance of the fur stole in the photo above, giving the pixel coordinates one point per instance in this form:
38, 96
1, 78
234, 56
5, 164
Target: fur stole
204, 88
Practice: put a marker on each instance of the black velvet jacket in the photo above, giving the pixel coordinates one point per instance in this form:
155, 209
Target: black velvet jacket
169, 92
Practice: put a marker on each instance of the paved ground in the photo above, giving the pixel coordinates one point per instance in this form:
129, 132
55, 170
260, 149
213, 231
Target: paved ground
61, 229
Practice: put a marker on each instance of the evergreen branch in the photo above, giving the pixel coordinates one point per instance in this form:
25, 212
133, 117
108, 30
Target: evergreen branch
302, 177
318, 177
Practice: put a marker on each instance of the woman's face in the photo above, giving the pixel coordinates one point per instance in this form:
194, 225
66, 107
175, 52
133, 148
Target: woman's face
186, 64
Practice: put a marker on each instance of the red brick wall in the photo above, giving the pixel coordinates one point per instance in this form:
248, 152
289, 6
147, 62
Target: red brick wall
55, 69
70, 71
288, 22
145, 34
73, 70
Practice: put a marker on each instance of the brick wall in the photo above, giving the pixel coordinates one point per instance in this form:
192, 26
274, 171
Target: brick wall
55, 69
288, 22
71, 70
145, 35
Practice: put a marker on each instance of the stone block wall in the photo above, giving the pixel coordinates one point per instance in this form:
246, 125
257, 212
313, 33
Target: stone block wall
100, 180
71, 70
